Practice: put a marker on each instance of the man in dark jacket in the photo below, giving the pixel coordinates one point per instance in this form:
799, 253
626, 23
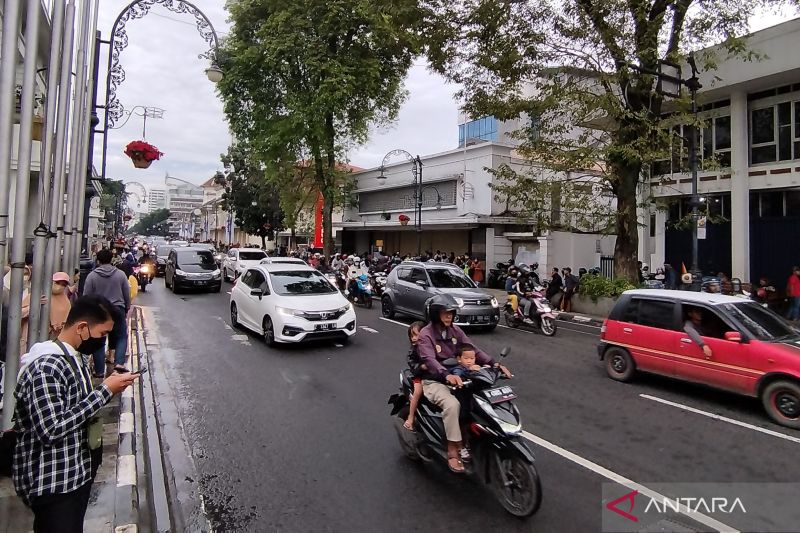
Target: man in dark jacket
111, 283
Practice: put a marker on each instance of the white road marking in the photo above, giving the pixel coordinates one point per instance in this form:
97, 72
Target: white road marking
559, 327
394, 322
617, 478
365, 328
339, 345
244, 339
722, 418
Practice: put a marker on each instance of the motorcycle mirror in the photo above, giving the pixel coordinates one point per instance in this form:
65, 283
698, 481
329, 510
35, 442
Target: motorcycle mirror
505, 351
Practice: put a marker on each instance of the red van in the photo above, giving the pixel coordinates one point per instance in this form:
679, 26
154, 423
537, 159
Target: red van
753, 351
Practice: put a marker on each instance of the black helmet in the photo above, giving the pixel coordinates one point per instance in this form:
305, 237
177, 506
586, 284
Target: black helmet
524, 269
439, 303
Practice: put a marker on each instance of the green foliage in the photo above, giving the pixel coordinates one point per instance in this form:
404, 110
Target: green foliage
112, 198
245, 184
596, 287
579, 75
154, 223
305, 80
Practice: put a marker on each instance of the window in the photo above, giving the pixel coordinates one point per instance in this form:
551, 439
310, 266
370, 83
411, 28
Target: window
248, 278
653, 314
450, 278
711, 324
775, 133
714, 142
484, 128
300, 283
772, 204
403, 273
252, 255
199, 258
417, 274
762, 324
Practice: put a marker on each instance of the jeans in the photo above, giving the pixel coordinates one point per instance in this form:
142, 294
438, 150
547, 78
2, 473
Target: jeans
117, 341
794, 308
526, 307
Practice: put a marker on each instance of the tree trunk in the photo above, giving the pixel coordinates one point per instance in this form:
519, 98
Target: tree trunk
327, 223
263, 242
626, 249
292, 238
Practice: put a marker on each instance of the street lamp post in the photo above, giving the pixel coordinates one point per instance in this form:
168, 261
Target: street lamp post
417, 172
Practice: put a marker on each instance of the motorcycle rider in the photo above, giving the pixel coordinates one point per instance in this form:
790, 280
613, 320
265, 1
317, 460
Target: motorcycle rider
438, 341
354, 270
336, 262
523, 289
511, 280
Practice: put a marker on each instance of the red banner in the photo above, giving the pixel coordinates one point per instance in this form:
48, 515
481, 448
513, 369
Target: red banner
318, 223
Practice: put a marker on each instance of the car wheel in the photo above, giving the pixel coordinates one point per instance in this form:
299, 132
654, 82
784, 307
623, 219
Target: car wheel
234, 315
619, 364
269, 331
387, 307
781, 400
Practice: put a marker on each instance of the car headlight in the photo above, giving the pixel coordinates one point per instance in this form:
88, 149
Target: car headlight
217, 273
285, 311
459, 301
495, 303
345, 309
179, 272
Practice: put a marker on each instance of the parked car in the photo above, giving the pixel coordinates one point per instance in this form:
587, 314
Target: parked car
753, 350
162, 253
238, 259
411, 284
192, 268
283, 261
290, 303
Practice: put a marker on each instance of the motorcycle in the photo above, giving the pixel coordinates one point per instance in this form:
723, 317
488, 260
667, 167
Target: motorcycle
360, 291
496, 278
500, 457
144, 275
542, 313
378, 280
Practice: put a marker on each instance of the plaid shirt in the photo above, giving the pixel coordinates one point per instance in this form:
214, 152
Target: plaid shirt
52, 454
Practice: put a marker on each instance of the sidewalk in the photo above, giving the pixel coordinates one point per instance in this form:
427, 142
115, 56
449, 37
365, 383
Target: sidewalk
578, 318
109, 509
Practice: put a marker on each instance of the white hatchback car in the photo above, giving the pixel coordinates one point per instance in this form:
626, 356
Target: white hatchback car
290, 303
238, 260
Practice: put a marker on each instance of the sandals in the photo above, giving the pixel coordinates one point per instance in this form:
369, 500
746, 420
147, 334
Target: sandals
455, 465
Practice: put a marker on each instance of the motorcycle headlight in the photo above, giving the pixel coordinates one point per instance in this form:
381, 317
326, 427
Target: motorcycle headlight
367, 287
547, 309
145, 269
495, 303
179, 272
459, 301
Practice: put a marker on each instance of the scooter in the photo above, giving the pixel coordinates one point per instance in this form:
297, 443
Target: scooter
360, 291
500, 457
378, 280
144, 275
542, 313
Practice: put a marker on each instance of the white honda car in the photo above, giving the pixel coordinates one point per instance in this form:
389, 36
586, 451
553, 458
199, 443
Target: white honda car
290, 303
238, 260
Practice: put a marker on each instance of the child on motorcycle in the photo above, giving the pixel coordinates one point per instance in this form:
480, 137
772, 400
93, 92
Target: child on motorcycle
418, 369
466, 362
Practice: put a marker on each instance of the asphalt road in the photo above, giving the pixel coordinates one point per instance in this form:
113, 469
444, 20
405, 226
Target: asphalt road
300, 439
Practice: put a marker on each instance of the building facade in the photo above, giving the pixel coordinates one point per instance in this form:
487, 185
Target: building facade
156, 199
751, 192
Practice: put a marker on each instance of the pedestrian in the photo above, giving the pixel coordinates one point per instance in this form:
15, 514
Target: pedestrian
570, 286
476, 271
793, 293
60, 304
111, 283
555, 286
670, 277
59, 437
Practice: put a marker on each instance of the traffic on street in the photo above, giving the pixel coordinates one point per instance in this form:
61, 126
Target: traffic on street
300, 437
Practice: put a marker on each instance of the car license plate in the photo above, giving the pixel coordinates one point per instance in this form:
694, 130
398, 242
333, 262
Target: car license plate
482, 319
199, 282
500, 394
325, 327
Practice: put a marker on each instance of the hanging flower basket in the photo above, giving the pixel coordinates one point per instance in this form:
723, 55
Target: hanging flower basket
403, 220
142, 153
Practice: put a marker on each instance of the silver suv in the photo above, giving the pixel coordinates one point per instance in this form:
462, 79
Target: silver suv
412, 284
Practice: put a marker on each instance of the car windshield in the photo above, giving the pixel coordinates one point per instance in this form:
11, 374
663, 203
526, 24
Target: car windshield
299, 283
201, 258
252, 256
762, 323
449, 278
163, 251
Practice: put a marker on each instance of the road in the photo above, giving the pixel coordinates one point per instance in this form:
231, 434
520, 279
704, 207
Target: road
299, 438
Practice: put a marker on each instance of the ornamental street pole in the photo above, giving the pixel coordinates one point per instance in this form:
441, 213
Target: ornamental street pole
18, 245
38, 279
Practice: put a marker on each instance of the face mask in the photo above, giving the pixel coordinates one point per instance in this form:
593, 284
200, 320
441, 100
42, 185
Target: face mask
58, 289
91, 344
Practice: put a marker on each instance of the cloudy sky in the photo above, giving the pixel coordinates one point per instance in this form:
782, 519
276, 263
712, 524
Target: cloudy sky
162, 70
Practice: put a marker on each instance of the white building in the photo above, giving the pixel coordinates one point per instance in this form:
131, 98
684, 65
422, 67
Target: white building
216, 224
183, 198
156, 199
753, 108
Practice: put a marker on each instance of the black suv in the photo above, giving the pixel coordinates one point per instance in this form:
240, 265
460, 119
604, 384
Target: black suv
192, 268
412, 283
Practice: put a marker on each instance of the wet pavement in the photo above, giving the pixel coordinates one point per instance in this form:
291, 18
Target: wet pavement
299, 438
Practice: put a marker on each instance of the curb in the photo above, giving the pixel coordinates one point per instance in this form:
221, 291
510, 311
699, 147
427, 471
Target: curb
126, 497
583, 320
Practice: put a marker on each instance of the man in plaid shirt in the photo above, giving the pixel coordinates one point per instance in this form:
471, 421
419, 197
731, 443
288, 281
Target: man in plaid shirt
53, 465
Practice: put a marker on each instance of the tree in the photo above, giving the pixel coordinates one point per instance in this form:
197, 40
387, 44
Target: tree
591, 105
154, 223
112, 199
305, 80
248, 196
297, 191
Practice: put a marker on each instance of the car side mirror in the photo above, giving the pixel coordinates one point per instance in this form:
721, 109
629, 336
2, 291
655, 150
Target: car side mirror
505, 351
733, 336
257, 292
422, 283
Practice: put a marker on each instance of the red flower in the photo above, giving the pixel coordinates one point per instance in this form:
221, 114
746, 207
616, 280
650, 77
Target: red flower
403, 218
142, 150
